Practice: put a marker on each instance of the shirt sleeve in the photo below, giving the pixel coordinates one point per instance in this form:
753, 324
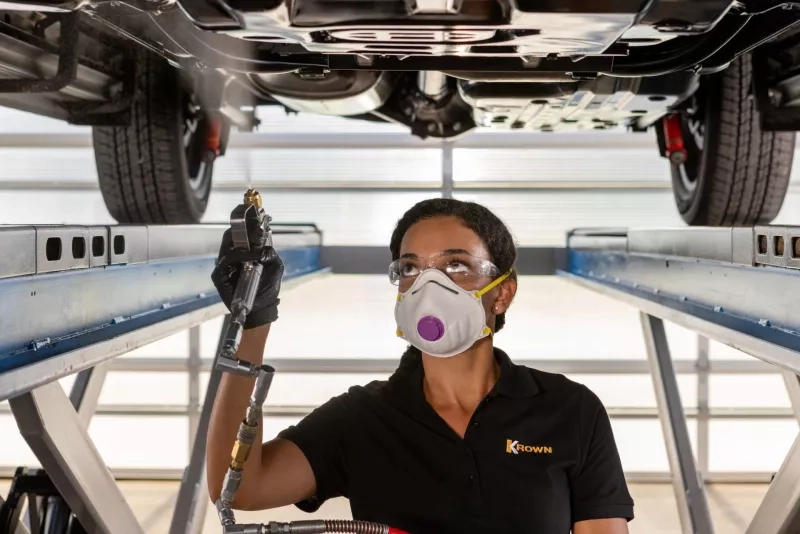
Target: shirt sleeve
598, 486
320, 435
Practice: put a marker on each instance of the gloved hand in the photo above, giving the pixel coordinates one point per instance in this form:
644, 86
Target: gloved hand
228, 269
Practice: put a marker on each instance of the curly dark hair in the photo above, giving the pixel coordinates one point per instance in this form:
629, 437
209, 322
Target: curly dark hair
492, 231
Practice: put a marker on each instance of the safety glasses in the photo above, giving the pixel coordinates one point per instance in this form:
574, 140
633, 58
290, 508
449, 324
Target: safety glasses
465, 270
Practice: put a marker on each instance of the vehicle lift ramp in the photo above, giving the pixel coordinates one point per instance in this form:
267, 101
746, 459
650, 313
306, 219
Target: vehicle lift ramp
72, 298
65, 309
738, 286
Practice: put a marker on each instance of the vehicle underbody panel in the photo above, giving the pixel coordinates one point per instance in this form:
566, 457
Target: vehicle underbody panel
597, 104
472, 27
441, 67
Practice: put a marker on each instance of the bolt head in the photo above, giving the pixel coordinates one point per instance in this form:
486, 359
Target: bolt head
677, 158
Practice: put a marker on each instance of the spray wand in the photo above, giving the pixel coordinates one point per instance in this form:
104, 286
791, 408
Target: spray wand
250, 230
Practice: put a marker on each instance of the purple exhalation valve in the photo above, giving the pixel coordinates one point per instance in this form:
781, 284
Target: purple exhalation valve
430, 328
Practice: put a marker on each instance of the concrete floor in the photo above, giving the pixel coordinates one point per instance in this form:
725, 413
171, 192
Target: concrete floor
732, 507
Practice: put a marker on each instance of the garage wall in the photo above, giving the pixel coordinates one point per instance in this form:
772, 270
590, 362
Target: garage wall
554, 197
550, 320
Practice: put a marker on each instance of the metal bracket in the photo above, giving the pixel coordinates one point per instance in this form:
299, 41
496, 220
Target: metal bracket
115, 112
773, 117
28, 495
67, 63
433, 7
33, 491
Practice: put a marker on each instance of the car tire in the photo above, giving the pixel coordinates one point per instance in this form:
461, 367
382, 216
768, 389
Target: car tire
735, 174
155, 169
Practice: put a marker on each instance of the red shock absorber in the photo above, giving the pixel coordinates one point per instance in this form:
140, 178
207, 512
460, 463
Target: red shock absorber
214, 137
673, 139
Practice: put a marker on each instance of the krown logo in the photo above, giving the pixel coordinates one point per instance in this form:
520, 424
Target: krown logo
515, 447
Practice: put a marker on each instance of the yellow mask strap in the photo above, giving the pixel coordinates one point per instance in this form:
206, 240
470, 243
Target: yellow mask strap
482, 292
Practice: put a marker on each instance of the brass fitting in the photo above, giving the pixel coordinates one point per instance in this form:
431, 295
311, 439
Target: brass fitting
241, 451
253, 198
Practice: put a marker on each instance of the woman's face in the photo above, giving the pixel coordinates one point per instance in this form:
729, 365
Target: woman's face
429, 240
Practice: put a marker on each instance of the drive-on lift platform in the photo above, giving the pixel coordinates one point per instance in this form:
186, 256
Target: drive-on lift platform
72, 298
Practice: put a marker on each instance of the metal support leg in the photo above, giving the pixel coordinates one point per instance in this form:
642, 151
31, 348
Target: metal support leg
86, 391
193, 499
779, 512
703, 411
689, 493
18, 527
84, 396
792, 382
194, 364
54, 432
34, 511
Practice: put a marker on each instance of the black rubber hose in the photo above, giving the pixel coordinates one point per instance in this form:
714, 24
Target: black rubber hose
701, 51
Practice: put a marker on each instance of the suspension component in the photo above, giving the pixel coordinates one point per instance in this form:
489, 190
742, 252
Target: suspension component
213, 137
673, 139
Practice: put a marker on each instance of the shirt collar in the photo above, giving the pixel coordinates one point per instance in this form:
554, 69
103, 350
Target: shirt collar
515, 381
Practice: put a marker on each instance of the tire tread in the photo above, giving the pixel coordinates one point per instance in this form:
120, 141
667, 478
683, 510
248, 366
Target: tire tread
748, 170
141, 172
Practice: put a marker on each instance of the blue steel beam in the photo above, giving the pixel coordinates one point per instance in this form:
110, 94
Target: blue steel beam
738, 286
57, 322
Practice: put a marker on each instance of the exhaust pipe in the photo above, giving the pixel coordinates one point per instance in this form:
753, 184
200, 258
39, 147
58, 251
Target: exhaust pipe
433, 83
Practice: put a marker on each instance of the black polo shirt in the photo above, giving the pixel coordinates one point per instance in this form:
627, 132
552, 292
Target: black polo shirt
537, 456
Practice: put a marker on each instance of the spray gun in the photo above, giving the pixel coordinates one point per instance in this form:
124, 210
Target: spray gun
250, 231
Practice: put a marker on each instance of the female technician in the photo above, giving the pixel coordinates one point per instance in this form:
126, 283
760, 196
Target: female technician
459, 439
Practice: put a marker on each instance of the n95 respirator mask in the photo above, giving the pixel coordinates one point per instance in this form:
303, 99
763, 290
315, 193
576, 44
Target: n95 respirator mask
439, 317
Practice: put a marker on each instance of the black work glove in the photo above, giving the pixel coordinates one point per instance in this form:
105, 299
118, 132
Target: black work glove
228, 269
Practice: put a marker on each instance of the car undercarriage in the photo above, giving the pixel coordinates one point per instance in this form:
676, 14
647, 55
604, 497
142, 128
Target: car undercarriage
168, 79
